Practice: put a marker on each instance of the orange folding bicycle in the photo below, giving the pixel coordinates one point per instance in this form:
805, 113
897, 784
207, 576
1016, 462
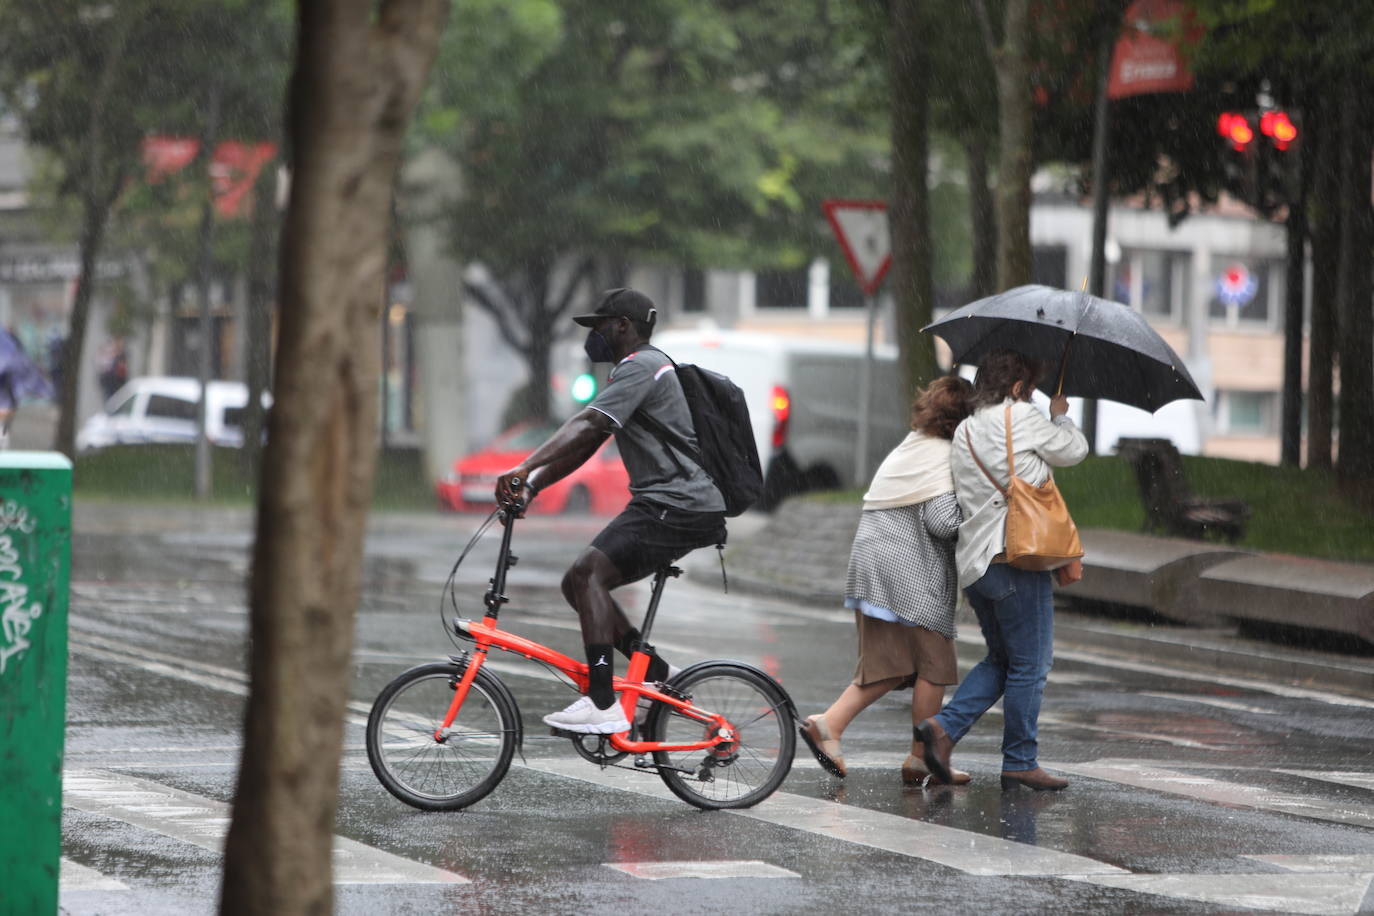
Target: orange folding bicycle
720, 734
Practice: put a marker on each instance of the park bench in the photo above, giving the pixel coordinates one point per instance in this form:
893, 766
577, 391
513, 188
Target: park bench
1170, 506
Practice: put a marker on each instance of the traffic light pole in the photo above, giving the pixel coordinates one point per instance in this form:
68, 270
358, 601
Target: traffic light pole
1097, 266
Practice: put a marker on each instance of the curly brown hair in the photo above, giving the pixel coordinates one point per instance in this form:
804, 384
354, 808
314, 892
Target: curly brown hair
998, 373
941, 406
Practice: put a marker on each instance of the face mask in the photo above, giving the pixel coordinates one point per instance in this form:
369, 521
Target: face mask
597, 349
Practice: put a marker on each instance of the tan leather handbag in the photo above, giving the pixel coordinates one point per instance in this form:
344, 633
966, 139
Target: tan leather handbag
1040, 533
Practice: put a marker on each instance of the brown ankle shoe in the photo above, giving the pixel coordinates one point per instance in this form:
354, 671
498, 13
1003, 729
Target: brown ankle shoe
1036, 779
914, 773
937, 748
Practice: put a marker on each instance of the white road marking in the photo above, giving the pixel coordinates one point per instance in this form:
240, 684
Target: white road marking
77, 877
963, 850
1289, 893
1204, 788
1343, 777
203, 822
1320, 863
1210, 701
659, 871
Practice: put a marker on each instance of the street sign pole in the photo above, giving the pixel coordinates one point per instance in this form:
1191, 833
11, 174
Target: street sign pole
865, 396
861, 228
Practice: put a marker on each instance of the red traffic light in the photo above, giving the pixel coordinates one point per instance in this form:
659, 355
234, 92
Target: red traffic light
1276, 126
1236, 129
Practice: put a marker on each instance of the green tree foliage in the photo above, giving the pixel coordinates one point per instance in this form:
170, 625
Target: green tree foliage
591, 134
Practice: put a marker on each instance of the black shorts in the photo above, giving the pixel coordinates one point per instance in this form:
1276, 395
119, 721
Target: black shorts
647, 536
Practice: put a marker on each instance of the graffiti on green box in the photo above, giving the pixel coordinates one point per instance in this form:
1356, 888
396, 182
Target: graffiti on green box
17, 613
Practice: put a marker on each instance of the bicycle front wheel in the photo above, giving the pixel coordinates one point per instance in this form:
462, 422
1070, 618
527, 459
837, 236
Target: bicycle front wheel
458, 768
734, 775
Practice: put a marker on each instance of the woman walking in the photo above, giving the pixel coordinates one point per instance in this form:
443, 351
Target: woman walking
901, 581
1014, 606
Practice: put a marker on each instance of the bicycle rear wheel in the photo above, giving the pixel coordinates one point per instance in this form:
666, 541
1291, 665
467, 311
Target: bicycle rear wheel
448, 774
735, 775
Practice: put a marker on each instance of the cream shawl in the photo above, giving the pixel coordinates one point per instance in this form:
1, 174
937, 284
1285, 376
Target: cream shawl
913, 472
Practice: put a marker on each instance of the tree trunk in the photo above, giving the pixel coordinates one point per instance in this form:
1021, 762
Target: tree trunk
909, 210
983, 219
205, 245
1325, 232
360, 66
1355, 459
258, 333
1016, 155
95, 212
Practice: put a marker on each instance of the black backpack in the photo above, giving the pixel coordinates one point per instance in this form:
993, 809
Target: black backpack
725, 436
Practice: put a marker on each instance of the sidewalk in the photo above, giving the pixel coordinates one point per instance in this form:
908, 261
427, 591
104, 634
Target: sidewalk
801, 552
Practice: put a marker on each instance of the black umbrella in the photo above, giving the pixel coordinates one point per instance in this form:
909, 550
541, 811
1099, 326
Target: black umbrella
1090, 347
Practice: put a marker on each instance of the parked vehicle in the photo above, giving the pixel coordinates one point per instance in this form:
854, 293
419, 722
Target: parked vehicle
803, 398
164, 409
599, 486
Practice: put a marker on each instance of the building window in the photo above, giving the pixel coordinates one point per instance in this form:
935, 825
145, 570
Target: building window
1246, 413
1154, 283
1244, 291
781, 289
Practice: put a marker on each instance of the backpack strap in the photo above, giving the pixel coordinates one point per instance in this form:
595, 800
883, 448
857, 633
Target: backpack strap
668, 437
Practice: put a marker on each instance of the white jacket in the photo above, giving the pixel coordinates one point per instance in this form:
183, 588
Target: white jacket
1038, 444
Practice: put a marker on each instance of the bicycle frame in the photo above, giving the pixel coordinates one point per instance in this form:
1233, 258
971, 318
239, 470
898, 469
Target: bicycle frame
487, 634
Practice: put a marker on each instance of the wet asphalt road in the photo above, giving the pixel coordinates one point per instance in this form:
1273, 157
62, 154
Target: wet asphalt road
1191, 793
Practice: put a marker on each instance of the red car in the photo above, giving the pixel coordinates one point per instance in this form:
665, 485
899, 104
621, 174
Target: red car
600, 486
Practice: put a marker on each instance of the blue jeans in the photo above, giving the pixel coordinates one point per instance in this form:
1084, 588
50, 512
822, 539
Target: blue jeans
1015, 609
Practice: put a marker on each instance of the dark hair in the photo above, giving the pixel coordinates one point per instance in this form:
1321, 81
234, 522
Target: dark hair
941, 406
998, 373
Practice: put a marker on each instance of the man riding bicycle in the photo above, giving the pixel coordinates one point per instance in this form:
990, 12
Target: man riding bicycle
674, 506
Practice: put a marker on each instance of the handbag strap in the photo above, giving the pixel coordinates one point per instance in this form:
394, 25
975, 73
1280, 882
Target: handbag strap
986, 473
1011, 457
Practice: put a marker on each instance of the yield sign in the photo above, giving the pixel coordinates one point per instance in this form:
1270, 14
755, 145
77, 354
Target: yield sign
861, 227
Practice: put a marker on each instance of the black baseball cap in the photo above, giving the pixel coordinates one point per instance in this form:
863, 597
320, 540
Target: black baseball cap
621, 303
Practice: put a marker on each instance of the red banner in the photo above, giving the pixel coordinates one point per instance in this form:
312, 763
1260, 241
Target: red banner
1147, 57
233, 169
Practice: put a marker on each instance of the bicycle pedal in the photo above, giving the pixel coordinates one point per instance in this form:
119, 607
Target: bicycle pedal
564, 733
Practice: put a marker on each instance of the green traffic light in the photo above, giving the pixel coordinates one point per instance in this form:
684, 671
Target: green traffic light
584, 388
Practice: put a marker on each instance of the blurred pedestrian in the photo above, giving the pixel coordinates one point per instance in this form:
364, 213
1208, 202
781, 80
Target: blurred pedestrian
1014, 606
901, 582
114, 367
57, 342
20, 379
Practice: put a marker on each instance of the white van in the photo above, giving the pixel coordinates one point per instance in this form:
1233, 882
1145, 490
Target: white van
164, 409
803, 396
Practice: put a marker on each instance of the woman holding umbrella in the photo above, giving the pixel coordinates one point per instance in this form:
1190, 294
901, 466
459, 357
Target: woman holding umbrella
1014, 606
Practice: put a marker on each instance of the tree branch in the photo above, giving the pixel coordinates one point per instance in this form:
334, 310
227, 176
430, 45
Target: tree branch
500, 315
583, 272
980, 10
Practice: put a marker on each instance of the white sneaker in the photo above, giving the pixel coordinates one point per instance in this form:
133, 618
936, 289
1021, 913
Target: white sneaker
585, 718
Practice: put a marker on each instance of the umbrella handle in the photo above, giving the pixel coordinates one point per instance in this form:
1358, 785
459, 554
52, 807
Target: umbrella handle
1064, 365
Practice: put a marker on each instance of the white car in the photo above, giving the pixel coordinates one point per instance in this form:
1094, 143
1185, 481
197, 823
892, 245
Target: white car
163, 409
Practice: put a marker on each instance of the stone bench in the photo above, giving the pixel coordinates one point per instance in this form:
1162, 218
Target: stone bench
1155, 573
1292, 591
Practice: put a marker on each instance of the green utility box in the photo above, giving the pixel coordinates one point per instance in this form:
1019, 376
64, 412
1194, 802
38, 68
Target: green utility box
35, 564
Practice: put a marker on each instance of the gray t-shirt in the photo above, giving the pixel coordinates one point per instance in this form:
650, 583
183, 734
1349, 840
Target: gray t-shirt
645, 382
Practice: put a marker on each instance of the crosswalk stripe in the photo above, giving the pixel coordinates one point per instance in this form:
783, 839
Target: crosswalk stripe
659, 871
1286, 893
1204, 788
963, 850
203, 822
1345, 778
77, 877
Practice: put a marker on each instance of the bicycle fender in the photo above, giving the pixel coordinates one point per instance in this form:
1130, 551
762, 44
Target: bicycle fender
753, 669
497, 686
